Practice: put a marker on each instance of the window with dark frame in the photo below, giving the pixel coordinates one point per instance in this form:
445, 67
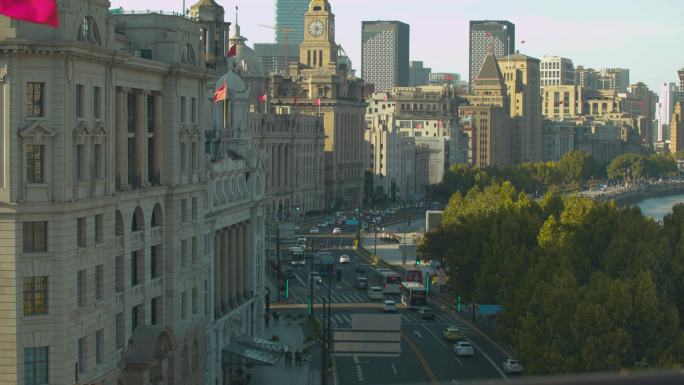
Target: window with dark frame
36, 365
80, 100
35, 236
97, 102
35, 99
35, 155
35, 295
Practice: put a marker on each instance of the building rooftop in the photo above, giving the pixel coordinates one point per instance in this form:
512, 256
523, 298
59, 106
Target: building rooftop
490, 68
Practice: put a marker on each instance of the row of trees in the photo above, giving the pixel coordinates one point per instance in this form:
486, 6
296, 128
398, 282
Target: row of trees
586, 286
572, 171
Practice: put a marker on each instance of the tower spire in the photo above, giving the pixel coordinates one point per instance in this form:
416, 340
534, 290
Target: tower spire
237, 25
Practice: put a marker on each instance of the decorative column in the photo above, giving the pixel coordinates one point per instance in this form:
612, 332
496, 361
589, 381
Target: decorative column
225, 270
158, 139
247, 258
217, 273
141, 137
232, 260
122, 138
240, 261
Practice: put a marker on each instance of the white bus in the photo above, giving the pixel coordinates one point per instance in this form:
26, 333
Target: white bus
413, 294
391, 281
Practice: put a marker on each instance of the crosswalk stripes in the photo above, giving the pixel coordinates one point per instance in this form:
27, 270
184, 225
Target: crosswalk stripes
340, 298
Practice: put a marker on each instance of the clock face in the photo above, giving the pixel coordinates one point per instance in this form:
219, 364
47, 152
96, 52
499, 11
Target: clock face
316, 28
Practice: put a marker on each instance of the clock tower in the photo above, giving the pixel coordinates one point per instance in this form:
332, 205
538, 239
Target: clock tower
318, 49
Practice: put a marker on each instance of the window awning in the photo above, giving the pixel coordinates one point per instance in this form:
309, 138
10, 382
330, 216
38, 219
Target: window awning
252, 350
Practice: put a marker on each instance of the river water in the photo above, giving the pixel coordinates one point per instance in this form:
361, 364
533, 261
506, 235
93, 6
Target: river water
660, 206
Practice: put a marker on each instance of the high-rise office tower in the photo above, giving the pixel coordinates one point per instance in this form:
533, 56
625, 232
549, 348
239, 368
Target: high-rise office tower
614, 79
586, 78
289, 19
418, 75
556, 71
385, 54
680, 73
664, 110
500, 34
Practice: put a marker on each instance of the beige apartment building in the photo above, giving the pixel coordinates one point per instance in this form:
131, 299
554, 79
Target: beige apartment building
126, 248
677, 127
489, 108
521, 74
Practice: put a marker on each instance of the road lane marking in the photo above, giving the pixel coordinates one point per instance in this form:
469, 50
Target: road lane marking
394, 369
421, 359
359, 370
503, 375
417, 333
442, 343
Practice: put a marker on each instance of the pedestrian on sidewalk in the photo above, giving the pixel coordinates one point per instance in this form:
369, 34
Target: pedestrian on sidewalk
288, 358
298, 358
267, 318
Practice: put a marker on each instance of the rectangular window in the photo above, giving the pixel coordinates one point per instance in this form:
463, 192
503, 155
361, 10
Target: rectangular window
35, 295
80, 162
99, 228
119, 271
97, 102
194, 208
184, 253
193, 110
134, 317
35, 155
135, 271
154, 263
120, 330
98, 171
82, 287
183, 109
184, 305
80, 99
193, 246
195, 305
36, 365
82, 354
155, 309
81, 232
35, 236
99, 346
35, 99
183, 157
184, 210
193, 156
99, 282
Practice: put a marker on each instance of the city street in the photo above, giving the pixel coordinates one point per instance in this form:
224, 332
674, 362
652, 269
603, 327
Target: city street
426, 357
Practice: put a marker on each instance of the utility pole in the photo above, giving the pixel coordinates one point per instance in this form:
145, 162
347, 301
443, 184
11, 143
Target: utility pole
278, 260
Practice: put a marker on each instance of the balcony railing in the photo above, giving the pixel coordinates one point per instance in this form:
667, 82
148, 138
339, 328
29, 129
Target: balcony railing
157, 234
119, 242
138, 240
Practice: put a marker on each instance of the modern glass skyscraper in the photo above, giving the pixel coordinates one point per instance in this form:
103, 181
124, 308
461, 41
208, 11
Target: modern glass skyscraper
290, 16
385, 54
499, 33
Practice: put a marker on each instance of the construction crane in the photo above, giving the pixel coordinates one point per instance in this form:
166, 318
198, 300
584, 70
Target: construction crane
286, 32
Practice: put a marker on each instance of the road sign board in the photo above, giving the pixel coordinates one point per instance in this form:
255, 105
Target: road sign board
490, 309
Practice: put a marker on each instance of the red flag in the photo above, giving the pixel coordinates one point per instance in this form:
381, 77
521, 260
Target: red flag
35, 11
232, 51
317, 102
221, 93
262, 98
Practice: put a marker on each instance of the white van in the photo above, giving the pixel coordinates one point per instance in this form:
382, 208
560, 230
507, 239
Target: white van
375, 292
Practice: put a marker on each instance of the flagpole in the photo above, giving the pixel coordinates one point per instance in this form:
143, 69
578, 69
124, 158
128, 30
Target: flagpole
225, 109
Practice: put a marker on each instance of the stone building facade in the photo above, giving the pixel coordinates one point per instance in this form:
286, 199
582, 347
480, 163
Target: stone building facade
114, 218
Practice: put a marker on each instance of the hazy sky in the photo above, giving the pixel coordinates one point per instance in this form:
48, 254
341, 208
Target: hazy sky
646, 36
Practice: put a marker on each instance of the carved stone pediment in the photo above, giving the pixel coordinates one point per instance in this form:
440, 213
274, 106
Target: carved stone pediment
82, 128
37, 129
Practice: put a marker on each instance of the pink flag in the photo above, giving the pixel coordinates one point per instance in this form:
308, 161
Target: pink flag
35, 11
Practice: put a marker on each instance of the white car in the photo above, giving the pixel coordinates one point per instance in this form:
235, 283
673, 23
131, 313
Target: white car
316, 278
388, 306
301, 240
344, 258
464, 348
512, 366
314, 230
337, 231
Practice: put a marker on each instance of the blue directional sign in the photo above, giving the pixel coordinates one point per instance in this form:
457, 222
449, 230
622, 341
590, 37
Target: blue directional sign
490, 309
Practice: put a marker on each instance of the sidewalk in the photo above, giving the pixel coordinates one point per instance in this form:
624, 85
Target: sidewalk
292, 332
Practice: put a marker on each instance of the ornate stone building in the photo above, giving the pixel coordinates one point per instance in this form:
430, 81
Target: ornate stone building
319, 86
125, 246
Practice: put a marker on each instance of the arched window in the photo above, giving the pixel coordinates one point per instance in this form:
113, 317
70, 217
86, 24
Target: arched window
188, 55
119, 229
88, 31
157, 216
138, 220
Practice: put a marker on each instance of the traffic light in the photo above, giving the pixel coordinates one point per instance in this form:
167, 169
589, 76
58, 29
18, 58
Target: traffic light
417, 261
